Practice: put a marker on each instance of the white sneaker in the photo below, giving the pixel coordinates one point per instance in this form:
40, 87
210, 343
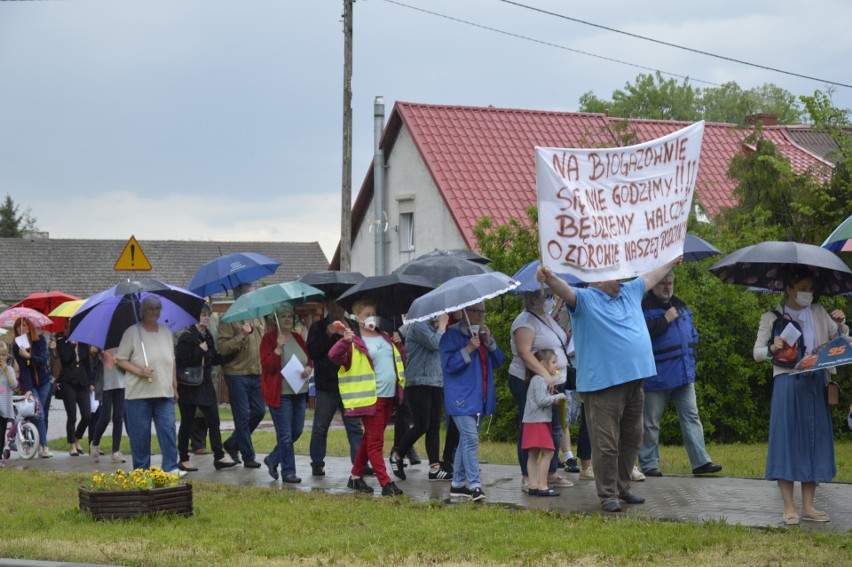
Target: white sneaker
587, 474
118, 457
637, 475
178, 472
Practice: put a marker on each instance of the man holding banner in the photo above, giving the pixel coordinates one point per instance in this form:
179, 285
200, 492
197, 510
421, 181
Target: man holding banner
606, 215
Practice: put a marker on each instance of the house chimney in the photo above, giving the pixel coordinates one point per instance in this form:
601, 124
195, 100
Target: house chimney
764, 118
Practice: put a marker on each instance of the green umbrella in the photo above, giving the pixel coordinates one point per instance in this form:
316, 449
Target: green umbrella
264, 301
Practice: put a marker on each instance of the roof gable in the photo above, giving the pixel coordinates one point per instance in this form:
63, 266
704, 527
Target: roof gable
482, 159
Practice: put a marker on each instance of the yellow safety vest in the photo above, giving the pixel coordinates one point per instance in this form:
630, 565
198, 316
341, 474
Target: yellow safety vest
358, 383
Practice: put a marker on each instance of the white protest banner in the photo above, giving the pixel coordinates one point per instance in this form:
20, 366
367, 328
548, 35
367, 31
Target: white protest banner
614, 213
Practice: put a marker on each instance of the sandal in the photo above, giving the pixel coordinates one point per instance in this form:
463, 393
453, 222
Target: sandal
791, 519
816, 516
548, 492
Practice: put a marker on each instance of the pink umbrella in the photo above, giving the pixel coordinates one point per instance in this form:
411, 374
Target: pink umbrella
8, 317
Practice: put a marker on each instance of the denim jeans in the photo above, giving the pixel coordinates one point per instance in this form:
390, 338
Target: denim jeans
327, 403
690, 426
519, 390
43, 393
466, 465
289, 421
140, 413
112, 407
248, 409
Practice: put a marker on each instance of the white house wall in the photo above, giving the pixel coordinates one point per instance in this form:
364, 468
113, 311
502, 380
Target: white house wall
406, 175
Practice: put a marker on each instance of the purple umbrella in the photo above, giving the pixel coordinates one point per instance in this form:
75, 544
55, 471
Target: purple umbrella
102, 320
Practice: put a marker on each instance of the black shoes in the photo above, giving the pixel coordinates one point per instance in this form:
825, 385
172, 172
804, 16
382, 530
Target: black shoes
187, 468
251, 464
707, 468
631, 498
317, 469
611, 506
368, 471
273, 471
291, 478
233, 452
391, 489
219, 465
652, 472
396, 464
477, 495
440, 474
413, 457
571, 465
359, 485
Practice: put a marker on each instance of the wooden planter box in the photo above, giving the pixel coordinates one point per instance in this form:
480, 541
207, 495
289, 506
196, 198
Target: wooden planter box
107, 505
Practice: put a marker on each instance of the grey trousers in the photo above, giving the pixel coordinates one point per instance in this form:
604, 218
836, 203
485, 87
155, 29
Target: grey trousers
615, 428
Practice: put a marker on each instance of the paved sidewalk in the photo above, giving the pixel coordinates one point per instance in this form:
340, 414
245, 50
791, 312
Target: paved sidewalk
748, 502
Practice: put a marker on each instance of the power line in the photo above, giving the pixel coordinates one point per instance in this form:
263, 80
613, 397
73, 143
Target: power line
676, 46
541, 42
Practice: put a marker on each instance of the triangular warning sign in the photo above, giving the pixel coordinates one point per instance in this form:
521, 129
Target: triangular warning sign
132, 257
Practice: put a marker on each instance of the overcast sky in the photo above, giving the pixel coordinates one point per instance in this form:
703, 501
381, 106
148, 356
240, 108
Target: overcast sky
221, 119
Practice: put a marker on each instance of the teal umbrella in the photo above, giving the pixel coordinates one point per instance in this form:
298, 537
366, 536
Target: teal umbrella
841, 239
264, 301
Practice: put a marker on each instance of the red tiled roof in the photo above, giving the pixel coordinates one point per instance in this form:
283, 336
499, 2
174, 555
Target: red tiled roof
482, 159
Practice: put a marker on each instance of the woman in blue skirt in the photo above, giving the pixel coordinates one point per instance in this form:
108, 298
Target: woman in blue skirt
801, 440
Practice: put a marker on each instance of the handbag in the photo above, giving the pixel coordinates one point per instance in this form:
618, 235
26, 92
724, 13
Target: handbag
190, 375
832, 393
570, 370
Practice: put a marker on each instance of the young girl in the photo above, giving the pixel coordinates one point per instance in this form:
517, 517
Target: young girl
538, 415
8, 382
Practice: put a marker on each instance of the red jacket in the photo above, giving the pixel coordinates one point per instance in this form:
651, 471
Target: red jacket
270, 367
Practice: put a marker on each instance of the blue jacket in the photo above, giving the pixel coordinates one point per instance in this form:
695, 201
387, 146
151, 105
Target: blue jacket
674, 344
463, 387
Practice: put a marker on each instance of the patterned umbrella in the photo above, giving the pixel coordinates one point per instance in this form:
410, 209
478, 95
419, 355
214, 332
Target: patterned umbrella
762, 265
8, 317
835, 352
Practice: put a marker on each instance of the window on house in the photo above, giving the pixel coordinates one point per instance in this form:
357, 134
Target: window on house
406, 231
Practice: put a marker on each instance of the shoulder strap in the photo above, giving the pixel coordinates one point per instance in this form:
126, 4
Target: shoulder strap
561, 342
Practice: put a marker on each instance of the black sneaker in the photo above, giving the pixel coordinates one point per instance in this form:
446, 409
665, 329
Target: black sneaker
652, 472
391, 489
571, 465
413, 457
359, 485
251, 464
368, 471
396, 464
317, 469
461, 492
440, 474
477, 495
273, 471
707, 468
233, 452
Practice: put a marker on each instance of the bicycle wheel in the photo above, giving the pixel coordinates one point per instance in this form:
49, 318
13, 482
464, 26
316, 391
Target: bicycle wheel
28, 440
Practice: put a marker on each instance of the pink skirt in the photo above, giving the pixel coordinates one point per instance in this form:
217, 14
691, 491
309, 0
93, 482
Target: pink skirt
537, 436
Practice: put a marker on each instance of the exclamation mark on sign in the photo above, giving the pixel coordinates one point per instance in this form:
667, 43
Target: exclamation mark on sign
132, 254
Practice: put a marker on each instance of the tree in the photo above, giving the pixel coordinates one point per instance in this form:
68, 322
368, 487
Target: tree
13, 225
652, 96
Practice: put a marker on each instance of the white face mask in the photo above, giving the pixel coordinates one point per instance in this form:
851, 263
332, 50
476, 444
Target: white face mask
371, 322
804, 298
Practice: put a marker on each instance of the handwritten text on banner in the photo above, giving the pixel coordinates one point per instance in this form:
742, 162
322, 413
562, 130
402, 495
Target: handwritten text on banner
612, 213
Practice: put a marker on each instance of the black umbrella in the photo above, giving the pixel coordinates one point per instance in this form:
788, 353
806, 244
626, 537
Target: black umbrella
459, 253
393, 293
441, 268
763, 265
333, 283
695, 249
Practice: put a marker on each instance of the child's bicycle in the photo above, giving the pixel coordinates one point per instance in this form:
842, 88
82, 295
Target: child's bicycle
22, 436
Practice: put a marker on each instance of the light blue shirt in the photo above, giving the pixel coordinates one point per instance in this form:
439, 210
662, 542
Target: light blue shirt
382, 355
611, 337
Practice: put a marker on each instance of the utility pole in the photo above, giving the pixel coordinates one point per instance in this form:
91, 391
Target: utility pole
346, 192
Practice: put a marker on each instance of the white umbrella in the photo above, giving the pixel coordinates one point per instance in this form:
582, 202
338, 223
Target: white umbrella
459, 293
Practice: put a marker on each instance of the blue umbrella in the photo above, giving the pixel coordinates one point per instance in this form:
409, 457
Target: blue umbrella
229, 271
526, 276
102, 320
833, 353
